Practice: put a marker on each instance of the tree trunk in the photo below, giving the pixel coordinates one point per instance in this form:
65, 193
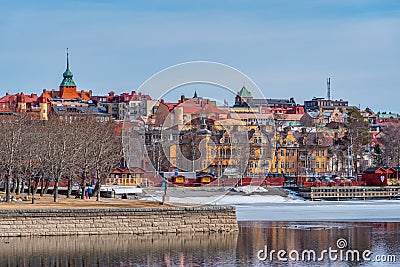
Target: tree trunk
18, 186
29, 185
37, 180
55, 191
83, 185
21, 188
83, 191
69, 191
97, 190
14, 187
8, 192
46, 187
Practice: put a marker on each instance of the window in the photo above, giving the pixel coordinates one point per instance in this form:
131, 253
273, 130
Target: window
323, 153
317, 164
287, 165
282, 164
287, 152
282, 153
292, 154
292, 164
322, 164
317, 153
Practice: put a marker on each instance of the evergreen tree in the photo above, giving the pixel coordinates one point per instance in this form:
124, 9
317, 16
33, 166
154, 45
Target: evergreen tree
377, 155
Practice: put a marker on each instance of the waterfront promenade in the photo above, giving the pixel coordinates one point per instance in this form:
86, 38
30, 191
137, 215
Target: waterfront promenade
111, 216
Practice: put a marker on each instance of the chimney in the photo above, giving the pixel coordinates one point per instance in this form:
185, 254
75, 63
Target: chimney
82, 94
90, 93
182, 98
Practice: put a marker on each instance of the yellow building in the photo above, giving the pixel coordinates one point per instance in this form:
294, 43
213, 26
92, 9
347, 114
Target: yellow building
259, 154
313, 153
125, 177
299, 153
254, 152
284, 158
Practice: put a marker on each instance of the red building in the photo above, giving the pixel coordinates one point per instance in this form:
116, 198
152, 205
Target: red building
376, 176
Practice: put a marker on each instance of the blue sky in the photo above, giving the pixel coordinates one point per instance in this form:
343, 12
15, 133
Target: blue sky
288, 48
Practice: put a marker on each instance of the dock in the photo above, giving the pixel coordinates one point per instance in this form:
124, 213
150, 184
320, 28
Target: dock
350, 192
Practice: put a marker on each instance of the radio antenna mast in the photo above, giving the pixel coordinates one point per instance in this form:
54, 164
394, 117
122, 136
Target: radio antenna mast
328, 84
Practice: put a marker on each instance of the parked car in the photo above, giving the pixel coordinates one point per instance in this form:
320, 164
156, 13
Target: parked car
314, 180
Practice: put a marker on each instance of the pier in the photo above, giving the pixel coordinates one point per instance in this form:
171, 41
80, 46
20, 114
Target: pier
351, 192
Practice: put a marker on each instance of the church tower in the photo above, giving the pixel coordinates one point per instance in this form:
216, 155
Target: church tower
67, 86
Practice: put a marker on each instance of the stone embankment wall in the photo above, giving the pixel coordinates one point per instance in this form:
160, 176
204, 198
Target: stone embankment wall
51, 222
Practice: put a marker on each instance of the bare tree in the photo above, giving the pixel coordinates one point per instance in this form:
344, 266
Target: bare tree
10, 133
61, 150
357, 135
108, 153
391, 140
28, 164
77, 148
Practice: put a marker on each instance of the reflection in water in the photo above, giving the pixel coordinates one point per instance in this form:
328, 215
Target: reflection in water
380, 238
117, 250
216, 249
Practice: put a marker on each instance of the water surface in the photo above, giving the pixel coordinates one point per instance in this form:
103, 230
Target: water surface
226, 249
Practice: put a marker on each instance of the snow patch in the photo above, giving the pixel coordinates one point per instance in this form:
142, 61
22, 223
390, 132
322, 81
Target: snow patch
249, 189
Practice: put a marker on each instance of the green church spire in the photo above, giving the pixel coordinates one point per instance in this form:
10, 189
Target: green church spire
67, 80
67, 59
